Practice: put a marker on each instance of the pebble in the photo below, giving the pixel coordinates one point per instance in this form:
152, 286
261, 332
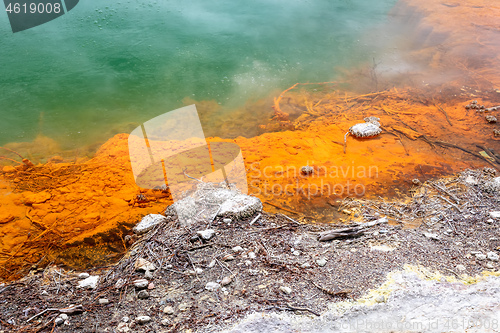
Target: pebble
83, 275
212, 264
63, 316
168, 310
431, 235
489, 265
380, 299
59, 321
143, 319
481, 256
226, 280
212, 286
151, 285
229, 257
321, 262
206, 234
90, 282
143, 294
252, 255
237, 249
141, 283
183, 307
165, 322
148, 222
492, 256
305, 265
125, 319
495, 215
227, 220
286, 290
143, 265
490, 221
460, 268
103, 301
296, 253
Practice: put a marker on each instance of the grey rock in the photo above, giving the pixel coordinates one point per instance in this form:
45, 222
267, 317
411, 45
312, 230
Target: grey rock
212, 286
141, 283
83, 275
460, 268
59, 321
63, 316
125, 319
380, 299
240, 206
143, 294
148, 222
165, 322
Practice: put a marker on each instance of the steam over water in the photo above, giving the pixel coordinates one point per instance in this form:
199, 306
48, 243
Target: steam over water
80, 78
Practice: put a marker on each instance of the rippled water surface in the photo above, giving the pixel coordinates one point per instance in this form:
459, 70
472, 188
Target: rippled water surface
82, 77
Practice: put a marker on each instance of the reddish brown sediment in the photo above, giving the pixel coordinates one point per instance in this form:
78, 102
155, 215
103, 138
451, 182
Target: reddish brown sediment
78, 213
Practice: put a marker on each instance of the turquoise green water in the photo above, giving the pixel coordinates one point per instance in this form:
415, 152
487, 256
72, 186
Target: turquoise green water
82, 77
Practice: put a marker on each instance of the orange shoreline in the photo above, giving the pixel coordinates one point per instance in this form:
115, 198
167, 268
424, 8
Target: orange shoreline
84, 222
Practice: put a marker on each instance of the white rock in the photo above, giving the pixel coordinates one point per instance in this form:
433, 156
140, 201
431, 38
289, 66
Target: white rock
125, 319
143, 265
83, 275
165, 322
122, 328
321, 262
286, 290
237, 249
296, 253
490, 221
471, 180
183, 307
305, 265
495, 214
460, 268
143, 319
227, 220
148, 222
90, 282
141, 283
212, 264
226, 280
59, 321
380, 299
212, 286
480, 256
63, 316
493, 256
431, 235
103, 301
252, 255
168, 310
206, 234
